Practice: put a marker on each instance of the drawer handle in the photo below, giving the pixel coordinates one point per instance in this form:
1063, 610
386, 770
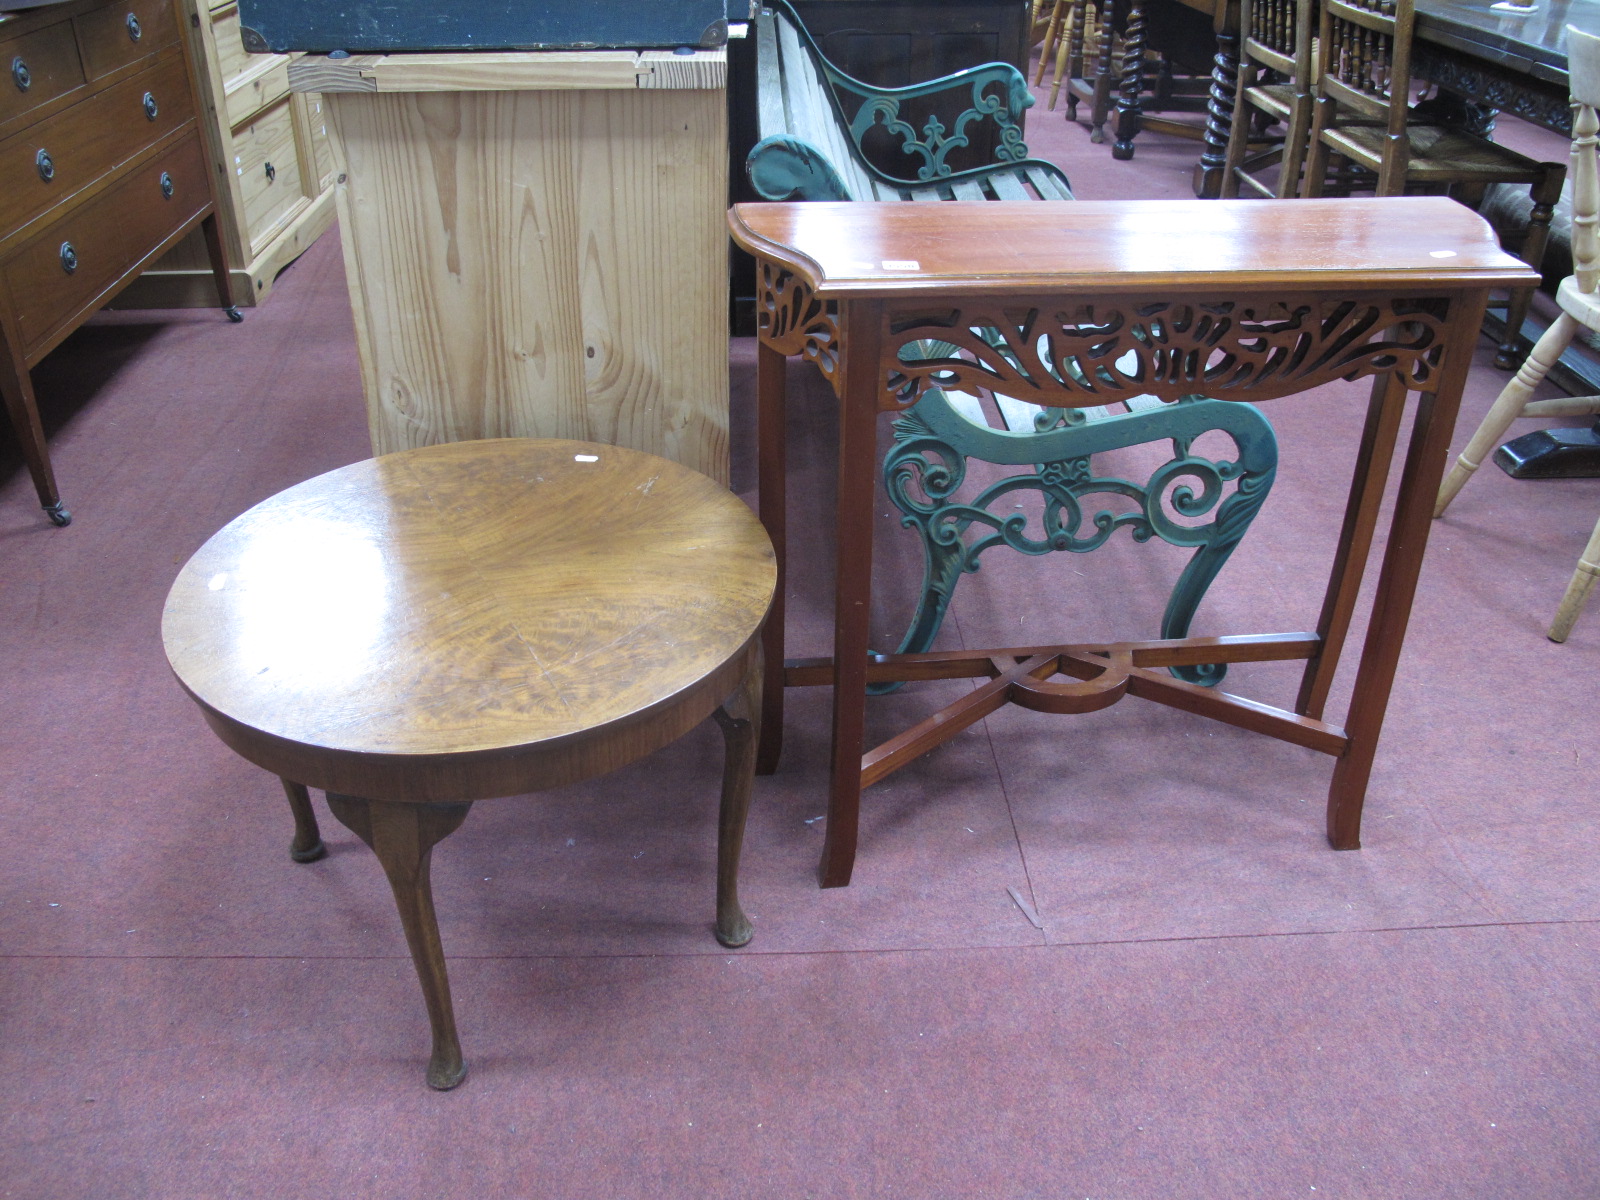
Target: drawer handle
166, 184
272, 172
134, 32
69, 258
20, 75
46, 165
150, 107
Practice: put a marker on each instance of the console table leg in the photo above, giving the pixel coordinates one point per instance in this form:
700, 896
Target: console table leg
772, 502
858, 468
1397, 580
307, 845
740, 719
403, 837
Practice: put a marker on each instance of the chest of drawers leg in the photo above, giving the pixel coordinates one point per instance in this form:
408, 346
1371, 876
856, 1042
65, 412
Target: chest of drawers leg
103, 168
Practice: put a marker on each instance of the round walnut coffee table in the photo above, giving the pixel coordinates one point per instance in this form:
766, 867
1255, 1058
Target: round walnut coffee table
477, 619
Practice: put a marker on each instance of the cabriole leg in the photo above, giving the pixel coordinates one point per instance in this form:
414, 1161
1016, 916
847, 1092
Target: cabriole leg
740, 719
307, 846
403, 837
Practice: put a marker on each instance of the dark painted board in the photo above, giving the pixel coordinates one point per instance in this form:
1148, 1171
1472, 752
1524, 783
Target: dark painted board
398, 26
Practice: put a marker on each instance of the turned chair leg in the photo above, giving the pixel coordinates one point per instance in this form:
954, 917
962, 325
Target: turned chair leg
740, 719
403, 837
1583, 581
307, 845
1507, 408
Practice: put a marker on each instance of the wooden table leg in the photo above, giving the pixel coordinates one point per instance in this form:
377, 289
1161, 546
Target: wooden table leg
1130, 104
1221, 105
1385, 409
307, 845
1397, 582
772, 481
858, 461
403, 837
740, 718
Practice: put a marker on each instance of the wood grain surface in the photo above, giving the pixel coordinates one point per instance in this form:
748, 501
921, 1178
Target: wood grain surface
497, 607
510, 70
539, 264
861, 250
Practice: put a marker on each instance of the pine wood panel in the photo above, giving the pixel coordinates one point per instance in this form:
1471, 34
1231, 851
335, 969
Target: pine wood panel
539, 264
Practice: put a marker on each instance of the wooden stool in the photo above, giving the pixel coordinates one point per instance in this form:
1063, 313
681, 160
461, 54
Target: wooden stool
477, 619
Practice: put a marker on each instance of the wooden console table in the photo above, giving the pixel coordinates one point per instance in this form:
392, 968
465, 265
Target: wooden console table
524, 226
1241, 300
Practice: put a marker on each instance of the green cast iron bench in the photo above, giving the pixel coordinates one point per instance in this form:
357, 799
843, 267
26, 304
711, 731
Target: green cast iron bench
815, 122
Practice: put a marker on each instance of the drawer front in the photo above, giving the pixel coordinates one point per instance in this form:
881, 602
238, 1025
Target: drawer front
119, 34
107, 237
37, 68
268, 165
258, 91
89, 139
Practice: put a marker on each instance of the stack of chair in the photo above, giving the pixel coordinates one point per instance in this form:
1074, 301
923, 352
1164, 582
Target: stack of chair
1579, 298
1277, 74
1362, 118
1070, 26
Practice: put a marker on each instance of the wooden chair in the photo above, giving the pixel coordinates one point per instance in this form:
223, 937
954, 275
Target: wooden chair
1277, 71
1579, 297
1093, 83
1361, 114
1074, 25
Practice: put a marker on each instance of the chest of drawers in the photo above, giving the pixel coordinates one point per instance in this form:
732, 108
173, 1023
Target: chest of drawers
274, 168
102, 168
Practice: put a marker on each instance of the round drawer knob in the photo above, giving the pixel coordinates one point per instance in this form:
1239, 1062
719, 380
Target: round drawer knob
150, 106
272, 172
45, 164
69, 258
166, 185
134, 32
20, 75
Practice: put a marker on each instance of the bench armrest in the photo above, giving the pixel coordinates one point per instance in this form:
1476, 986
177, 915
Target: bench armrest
785, 167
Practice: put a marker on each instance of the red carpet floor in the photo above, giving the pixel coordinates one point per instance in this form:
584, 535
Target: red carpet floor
1213, 1004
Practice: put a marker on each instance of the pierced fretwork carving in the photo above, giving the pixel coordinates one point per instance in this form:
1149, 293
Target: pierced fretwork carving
791, 320
1098, 352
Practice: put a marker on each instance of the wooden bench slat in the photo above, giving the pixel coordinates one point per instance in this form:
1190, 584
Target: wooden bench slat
1008, 187
1047, 185
812, 115
770, 117
968, 189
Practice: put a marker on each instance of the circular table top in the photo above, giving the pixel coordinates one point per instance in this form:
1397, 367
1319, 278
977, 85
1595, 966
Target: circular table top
467, 600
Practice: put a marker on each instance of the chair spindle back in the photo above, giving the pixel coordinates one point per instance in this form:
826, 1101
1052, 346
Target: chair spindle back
1583, 64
